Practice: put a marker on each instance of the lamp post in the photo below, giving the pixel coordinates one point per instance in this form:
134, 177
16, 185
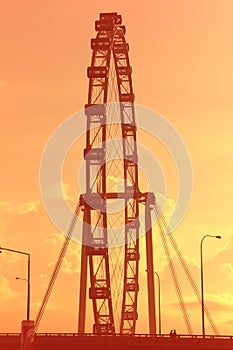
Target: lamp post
159, 301
202, 282
28, 279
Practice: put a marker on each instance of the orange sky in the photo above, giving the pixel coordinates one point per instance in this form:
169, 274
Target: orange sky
181, 53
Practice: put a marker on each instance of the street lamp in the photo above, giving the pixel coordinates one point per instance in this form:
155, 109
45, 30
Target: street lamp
28, 279
202, 283
22, 279
159, 301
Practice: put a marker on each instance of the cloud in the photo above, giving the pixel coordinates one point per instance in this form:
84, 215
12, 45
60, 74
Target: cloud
66, 267
50, 241
69, 193
167, 205
70, 261
30, 206
74, 249
58, 239
6, 206
9, 259
228, 268
220, 302
60, 190
23, 208
229, 322
5, 291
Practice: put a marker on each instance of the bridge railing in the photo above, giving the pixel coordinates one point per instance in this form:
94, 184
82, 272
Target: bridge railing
140, 335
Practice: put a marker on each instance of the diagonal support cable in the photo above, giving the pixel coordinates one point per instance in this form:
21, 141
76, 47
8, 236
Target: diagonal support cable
57, 267
175, 278
190, 277
187, 272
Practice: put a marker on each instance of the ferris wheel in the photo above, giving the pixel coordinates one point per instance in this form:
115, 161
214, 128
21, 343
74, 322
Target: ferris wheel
111, 157
112, 198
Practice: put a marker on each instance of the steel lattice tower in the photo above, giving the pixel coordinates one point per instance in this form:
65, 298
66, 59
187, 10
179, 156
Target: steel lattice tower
110, 81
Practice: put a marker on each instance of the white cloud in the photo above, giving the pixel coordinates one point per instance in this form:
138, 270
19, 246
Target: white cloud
6, 206
29, 206
23, 208
50, 241
66, 267
216, 302
73, 252
220, 302
228, 268
61, 191
69, 193
8, 258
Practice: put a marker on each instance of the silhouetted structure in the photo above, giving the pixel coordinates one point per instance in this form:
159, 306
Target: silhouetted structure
71, 341
110, 81
111, 158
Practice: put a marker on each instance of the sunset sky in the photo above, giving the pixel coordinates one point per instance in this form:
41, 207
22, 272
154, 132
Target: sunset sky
181, 52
